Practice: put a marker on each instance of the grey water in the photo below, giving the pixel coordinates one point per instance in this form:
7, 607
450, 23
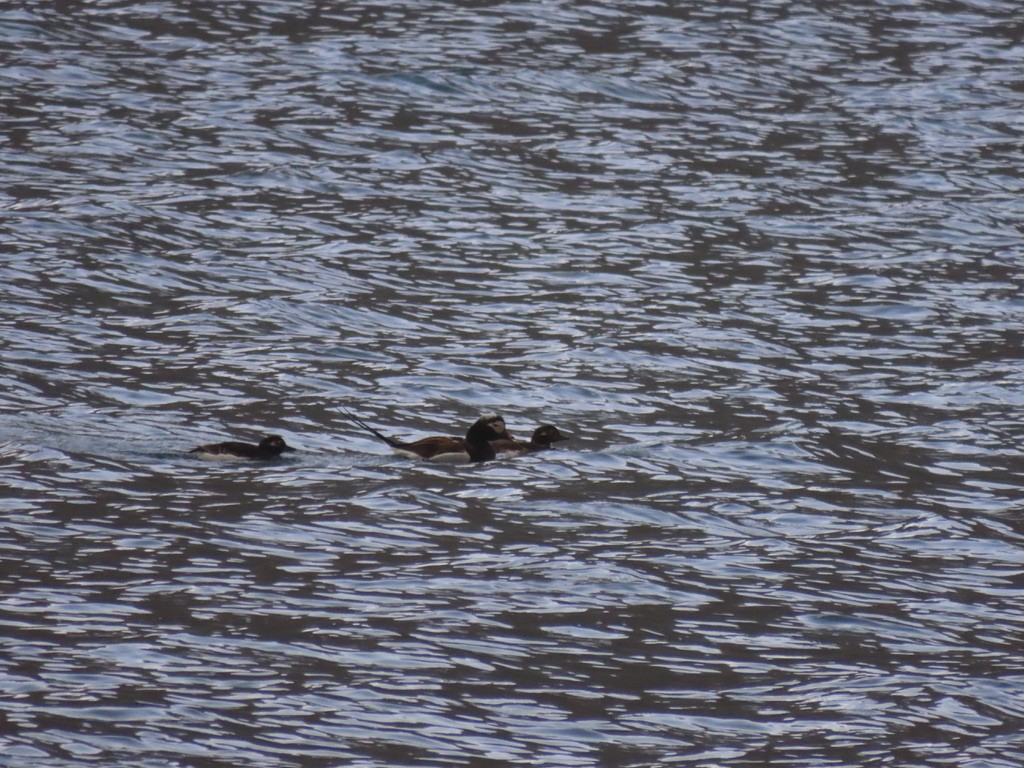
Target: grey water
763, 261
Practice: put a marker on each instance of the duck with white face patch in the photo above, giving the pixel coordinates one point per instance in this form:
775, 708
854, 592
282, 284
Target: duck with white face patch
543, 437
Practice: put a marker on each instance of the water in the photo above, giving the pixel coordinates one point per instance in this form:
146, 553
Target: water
761, 259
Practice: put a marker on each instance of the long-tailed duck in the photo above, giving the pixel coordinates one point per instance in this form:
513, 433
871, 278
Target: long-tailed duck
475, 446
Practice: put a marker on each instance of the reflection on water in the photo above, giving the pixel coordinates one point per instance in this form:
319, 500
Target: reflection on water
762, 261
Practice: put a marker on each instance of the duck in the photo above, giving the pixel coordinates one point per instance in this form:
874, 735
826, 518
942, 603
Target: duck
542, 438
270, 447
474, 447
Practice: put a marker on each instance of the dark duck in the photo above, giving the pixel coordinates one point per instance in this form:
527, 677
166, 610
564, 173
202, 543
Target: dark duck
269, 447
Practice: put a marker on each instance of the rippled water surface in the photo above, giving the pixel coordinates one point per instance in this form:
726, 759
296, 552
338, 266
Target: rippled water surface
762, 259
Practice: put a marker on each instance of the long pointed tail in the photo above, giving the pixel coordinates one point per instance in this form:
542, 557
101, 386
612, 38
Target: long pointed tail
389, 440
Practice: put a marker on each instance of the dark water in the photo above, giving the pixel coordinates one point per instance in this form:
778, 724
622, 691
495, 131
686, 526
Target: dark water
762, 259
